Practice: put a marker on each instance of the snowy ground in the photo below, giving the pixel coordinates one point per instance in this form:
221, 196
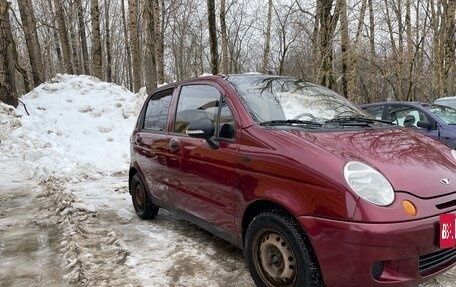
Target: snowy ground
66, 217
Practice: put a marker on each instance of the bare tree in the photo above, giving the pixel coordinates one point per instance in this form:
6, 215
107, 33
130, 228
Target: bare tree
64, 39
344, 47
150, 63
107, 5
267, 40
31, 38
449, 68
127, 47
134, 43
212, 36
326, 23
96, 39
8, 92
225, 67
83, 38
159, 29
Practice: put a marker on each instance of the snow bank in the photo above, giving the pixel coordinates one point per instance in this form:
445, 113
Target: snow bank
78, 127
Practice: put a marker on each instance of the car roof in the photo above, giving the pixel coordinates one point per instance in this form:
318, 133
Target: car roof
215, 78
446, 99
415, 104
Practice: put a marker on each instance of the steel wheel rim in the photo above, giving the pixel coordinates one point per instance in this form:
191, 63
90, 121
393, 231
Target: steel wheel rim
139, 197
276, 261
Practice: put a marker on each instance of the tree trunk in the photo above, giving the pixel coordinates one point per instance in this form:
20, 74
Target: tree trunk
449, 39
56, 40
326, 34
73, 33
225, 68
63, 37
83, 37
134, 43
8, 92
127, 47
438, 54
353, 57
345, 49
267, 40
107, 4
159, 41
31, 39
212, 36
150, 63
96, 39
372, 54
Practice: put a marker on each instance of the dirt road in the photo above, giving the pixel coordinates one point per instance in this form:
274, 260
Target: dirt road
86, 234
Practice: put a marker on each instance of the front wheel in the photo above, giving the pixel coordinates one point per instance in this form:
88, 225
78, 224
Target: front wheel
144, 207
278, 252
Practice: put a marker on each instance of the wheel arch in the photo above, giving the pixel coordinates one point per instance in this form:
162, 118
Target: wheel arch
256, 208
131, 173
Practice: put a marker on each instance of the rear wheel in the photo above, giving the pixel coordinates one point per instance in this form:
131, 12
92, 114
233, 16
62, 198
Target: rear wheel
278, 252
144, 207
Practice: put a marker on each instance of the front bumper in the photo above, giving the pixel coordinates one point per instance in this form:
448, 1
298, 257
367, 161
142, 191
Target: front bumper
396, 254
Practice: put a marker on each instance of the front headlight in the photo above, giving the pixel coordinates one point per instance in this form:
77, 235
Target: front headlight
368, 183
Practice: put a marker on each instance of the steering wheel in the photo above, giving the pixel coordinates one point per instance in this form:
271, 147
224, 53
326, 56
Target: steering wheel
301, 115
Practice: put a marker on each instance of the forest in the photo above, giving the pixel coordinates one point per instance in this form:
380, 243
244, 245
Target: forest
367, 50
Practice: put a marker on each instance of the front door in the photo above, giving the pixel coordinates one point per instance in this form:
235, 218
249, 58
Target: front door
203, 179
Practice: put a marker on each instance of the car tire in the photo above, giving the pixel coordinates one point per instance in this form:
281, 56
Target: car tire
278, 252
144, 207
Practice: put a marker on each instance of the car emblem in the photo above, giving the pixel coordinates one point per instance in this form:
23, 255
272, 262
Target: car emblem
445, 181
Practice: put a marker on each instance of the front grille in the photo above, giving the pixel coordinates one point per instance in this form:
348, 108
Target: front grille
434, 262
446, 204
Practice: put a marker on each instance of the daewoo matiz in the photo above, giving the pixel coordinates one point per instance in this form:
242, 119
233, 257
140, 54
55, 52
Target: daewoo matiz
314, 190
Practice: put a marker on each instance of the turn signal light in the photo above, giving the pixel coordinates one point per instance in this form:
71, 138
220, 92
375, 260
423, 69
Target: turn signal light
409, 207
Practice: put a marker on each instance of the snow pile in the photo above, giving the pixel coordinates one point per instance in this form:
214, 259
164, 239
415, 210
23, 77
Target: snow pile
78, 127
9, 120
93, 255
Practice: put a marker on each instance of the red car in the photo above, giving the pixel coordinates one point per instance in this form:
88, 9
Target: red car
314, 190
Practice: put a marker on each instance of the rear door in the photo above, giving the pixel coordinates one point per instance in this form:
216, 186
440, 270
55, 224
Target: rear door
202, 179
409, 116
151, 144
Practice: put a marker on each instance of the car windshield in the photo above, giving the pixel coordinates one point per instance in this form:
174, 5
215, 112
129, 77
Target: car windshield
445, 113
278, 99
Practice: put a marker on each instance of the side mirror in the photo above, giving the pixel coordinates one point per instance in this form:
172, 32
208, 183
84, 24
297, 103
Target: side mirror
425, 124
203, 129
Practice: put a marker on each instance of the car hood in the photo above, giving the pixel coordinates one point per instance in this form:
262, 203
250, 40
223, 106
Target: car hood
411, 162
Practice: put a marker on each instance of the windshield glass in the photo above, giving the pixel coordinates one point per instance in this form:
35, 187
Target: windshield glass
269, 98
446, 114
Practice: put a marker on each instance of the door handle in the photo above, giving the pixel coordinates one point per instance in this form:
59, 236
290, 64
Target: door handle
173, 145
138, 139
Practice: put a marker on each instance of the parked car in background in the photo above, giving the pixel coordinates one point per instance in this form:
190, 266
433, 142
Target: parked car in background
435, 121
446, 101
314, 190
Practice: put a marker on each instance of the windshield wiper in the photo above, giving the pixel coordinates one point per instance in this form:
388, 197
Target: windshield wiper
290, 123
356, 121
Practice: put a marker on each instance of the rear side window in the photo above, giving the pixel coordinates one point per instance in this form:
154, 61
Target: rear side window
406, 116
156, 116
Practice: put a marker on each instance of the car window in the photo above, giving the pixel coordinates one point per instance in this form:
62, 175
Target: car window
203, 101
406, 116
376, 111
282, 98
445, 113
156, 115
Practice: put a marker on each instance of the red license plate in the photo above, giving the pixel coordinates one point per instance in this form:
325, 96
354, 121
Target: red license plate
447, 231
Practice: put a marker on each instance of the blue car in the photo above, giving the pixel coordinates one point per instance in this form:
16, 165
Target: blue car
436, 121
